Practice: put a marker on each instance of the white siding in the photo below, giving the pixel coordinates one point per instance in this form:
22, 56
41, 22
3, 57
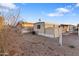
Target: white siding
52, 32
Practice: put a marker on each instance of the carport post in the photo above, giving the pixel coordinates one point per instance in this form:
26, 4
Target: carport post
78, 31
60, 36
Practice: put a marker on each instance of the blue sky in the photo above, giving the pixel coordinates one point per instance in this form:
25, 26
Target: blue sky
49, 12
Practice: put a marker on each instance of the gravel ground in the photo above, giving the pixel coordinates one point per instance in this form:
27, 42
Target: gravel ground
34, 45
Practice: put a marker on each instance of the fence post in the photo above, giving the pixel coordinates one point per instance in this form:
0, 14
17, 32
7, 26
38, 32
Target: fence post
60, 36
78, 31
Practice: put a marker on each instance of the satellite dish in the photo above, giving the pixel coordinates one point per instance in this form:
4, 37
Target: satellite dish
39, 20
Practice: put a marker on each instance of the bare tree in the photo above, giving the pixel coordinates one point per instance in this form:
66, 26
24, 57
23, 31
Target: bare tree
9, 17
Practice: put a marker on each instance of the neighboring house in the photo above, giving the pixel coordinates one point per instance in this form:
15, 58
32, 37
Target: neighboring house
76, 29
25, 26
67, 28
45, 29
72, 28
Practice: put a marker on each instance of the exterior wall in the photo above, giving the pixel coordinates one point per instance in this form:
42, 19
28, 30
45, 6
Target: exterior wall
56, 31
25, 27
26, 30
71, 28
48, 31
68, 28
42, 29
65, 28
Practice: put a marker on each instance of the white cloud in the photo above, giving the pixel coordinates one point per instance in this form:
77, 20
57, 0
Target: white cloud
7, 8
62, 10
55, 14
8, 5
77, 5
59, 12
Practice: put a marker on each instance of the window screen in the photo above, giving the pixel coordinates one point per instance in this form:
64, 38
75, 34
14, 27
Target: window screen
38, 26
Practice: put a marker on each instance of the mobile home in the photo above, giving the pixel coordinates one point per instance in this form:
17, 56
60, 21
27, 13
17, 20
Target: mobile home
46, 29
25, 27
67, 28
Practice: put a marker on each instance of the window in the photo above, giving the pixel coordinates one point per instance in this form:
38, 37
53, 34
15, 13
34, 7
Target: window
38, 26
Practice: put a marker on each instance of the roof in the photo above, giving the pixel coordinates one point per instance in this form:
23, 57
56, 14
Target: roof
26, 24
66, 25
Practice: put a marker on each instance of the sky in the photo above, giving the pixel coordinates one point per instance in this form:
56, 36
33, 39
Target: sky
61, 13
